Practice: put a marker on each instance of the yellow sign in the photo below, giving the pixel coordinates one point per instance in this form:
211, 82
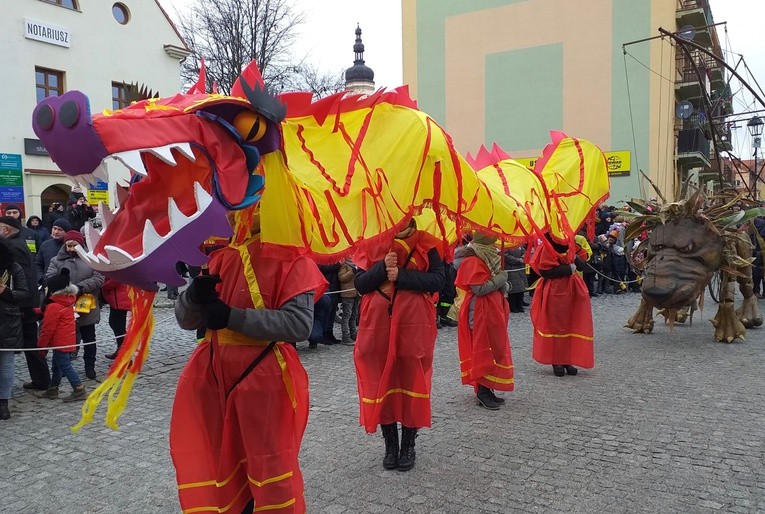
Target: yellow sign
618, 162
96, 197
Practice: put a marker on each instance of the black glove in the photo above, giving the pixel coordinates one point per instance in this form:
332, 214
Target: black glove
202, 289
216, 315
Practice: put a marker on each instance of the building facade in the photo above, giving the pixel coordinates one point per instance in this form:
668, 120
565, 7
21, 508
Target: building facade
99, 47
508, 71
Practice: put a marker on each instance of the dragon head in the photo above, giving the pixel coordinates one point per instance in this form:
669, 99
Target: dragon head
193, 158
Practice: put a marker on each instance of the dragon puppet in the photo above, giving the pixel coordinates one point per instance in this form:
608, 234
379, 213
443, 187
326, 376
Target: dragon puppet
687, 242
324, 178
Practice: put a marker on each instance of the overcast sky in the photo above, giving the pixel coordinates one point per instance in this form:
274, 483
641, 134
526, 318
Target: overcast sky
328, 35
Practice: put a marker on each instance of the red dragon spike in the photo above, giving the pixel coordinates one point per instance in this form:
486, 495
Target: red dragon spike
251, 75
200, 87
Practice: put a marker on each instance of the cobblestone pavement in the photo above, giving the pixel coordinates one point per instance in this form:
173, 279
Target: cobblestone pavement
664, 423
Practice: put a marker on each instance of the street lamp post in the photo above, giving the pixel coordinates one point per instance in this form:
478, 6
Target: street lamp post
755, 126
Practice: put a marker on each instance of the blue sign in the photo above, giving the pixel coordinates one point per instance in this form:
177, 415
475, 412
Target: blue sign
100, 185
10, 161
11, 194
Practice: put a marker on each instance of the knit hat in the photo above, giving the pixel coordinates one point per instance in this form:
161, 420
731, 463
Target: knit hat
58, 282
483, 239
63, 224
74, 235
11, 221
12, 207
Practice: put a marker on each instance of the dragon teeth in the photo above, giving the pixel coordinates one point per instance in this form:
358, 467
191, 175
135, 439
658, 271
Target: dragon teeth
132, 159
92, 235
106, 217
185, 149
164, 153
151, 238
178, 220
116, 257
202, 197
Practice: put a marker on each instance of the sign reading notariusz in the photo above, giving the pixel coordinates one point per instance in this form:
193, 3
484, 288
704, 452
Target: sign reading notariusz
618, 162
47, 33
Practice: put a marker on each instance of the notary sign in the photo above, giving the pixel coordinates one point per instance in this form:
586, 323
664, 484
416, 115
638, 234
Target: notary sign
47, 33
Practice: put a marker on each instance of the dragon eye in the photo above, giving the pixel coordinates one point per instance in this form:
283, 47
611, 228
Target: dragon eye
686, 249
657, 247
251, 125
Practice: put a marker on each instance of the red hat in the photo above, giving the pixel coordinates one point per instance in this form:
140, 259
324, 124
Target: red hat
75, 235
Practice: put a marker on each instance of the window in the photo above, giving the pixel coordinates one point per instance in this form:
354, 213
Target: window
121, 13
119, 95
69, 4
48, 83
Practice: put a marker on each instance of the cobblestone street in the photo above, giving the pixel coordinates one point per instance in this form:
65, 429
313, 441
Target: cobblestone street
664, 423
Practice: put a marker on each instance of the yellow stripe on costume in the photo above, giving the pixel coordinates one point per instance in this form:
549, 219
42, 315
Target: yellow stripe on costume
193, 485
499, 380
580, 336
271, 480
286, 377
274, 507
249, 275
218, 509
394, 391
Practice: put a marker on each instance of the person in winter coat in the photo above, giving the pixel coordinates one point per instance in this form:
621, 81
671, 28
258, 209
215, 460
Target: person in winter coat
51, 247
350, 300
484, 346
516, 277
79, 210
34, 223
30, 236
58, 332
88, 283
116, 295
10, 230
397, 336
55, 211
13, 290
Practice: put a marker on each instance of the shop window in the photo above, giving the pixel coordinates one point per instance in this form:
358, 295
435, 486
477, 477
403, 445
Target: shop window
48, 83
119, 95
69, 4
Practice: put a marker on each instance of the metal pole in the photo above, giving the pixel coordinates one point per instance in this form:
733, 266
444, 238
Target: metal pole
755, 174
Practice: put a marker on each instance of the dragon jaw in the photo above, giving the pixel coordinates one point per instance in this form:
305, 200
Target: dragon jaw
184, 183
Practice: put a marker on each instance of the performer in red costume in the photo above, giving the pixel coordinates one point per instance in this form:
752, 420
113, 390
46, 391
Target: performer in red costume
396, 339
483, 342
241, 406
561, 311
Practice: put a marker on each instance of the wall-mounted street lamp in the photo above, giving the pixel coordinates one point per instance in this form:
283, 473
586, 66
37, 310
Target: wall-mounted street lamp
755, 126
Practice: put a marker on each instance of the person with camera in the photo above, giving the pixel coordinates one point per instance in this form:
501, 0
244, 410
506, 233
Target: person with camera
79, 210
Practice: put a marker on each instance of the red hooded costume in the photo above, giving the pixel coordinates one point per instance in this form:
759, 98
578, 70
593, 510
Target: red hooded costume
561, 313
395, 342
485, 350
235, 435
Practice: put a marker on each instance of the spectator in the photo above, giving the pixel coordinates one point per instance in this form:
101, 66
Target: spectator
350, 300
446, 297
328, 321
13, 291
88, 283
59, 333
757, 234
51, 247
34, 223
516, 277
55, 211
396, 339
584, 250
117, 296
30, 236
79, 210
10, 230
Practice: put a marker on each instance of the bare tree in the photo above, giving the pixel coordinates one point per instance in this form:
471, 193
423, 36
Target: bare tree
231, 33
306, 77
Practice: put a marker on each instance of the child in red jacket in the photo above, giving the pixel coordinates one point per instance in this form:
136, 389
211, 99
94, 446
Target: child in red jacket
58, 332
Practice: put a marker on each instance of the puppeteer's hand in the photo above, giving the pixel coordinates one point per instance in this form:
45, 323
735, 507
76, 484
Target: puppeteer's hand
392, 273
202, 289
216, 315
391, 260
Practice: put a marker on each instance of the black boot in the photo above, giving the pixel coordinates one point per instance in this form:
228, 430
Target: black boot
4, 412
390, 434
485, 398
571, 370
443, 315
407, 456
496, 398
558, 370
